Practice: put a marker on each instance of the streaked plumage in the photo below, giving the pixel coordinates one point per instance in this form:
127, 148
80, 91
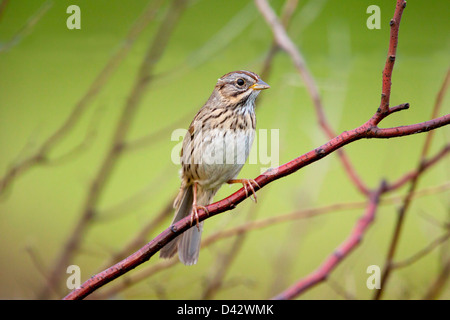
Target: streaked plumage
215, 148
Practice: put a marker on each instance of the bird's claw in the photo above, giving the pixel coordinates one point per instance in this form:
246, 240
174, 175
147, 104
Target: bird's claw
247, 184
194, 215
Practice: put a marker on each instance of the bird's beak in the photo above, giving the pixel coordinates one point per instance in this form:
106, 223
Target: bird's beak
260, 85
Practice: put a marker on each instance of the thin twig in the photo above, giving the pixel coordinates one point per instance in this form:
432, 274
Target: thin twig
134, 201
224, 261
142, 236
435, 113
229, 203
158, 135
390, 60
249, 226
41, 155
285, 43
426, 163
340, 253
27, 28
286, 15
152, 56
408, 198
366, 131
439, 283
423, 252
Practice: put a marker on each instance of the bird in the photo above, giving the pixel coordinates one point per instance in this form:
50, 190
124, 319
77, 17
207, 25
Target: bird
214, 150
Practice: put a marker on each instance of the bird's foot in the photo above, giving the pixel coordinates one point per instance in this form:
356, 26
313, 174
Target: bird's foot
247, 184
194, 215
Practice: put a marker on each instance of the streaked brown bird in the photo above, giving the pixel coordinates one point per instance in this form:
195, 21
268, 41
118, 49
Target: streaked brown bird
215, 148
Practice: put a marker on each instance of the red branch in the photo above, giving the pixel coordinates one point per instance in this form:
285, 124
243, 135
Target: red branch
390, 60
426, 163
284, 42
367, 130
344, 249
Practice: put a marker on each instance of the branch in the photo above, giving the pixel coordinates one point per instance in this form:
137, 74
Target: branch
368, 130
286, 15
439, 284
285, 43
141, 237
41, 155
389, 66
423, 252
229, 203
27, 28
435, 112
340, 253
408, 198
426, 164
223, 263
246, 227
426, 126
143, 79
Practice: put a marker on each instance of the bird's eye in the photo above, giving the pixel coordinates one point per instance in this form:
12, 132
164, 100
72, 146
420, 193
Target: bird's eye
240, 82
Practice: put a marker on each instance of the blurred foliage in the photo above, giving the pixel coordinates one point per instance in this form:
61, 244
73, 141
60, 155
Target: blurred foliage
45, 73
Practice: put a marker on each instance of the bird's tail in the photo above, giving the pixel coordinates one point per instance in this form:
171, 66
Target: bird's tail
188, 243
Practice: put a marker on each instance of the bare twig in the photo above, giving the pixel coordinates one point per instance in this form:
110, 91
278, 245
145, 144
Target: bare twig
285, 43
134, 278
215, 44
439, 283
83, 145
229, 203
134, 201
420, 254
27, 28
219, 270
425, 164
156, 136
390, 60
340, 290
312, 212
152, 56
340, 253
41, 155
249, 226
286, 15
435, 113
408, 198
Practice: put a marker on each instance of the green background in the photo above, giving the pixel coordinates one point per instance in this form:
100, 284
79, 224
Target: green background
50, 68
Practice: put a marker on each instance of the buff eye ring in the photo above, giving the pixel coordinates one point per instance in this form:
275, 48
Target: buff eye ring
240, 82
